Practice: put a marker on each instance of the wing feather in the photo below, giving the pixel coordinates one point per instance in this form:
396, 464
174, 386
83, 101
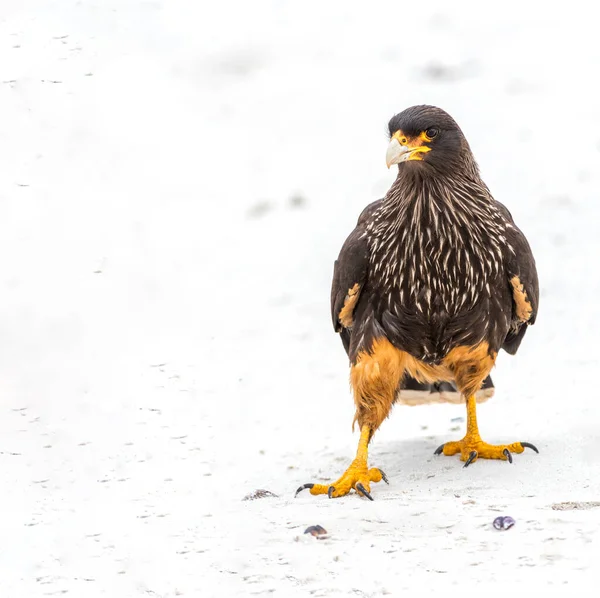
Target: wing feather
350, 272
523, 281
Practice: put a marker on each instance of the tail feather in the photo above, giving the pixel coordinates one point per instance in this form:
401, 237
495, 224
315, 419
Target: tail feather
417, 393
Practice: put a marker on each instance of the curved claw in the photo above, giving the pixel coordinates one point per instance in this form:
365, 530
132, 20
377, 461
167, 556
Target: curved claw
304, 487
439, 450
472, 457
330, 491
383, 476
529, 445
507, 454
360, 488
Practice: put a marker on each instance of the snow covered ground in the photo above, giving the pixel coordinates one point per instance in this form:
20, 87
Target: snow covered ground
176, 179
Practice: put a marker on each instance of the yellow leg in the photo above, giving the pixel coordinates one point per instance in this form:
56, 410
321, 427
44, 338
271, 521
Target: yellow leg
357, 476
471, 447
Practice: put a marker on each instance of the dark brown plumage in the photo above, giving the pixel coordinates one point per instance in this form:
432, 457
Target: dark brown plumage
434, 258
434, 280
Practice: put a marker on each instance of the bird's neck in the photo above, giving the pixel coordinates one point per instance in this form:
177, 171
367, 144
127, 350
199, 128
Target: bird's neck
417, 184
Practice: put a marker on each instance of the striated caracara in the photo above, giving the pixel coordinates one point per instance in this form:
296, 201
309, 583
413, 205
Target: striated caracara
434, 280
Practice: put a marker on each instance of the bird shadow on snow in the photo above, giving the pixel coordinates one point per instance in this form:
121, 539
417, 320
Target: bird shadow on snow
397, 458
412, 468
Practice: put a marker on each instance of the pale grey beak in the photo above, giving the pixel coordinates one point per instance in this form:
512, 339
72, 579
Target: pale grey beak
396, 153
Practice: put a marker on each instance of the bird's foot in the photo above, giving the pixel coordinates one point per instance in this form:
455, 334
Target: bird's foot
357, 476
473, 448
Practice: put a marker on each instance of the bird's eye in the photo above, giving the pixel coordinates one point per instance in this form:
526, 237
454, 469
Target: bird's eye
432, 132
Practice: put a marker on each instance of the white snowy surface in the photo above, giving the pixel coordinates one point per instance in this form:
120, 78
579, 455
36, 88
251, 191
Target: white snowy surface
176, 179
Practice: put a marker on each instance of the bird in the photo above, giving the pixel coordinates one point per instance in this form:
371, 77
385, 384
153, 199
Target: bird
435, 279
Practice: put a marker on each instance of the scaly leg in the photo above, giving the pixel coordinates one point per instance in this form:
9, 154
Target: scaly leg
471, 447
375, 377
357, 476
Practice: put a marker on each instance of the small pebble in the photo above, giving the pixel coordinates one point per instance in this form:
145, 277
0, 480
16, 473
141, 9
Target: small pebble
316, 530
503, 522
259, 494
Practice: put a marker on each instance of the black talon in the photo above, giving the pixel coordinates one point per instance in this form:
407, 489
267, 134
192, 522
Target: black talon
330, 491
472, 457
529, 445
303, 488
384, 477
360, 488
439, 450
507, 454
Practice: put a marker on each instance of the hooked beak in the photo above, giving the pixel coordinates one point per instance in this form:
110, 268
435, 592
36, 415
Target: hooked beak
397, 153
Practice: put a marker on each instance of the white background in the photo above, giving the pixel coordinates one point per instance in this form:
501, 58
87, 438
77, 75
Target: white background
176, 180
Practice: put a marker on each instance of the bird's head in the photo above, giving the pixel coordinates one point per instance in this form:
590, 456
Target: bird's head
426, 135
